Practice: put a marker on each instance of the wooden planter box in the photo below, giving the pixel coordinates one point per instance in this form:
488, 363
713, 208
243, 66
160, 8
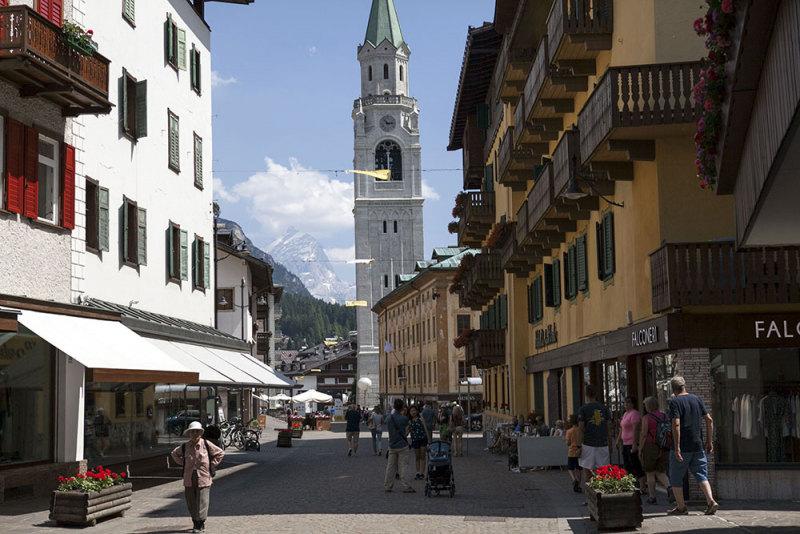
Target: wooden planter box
326, 424
619, 510
84, 509
284, 440
297, 433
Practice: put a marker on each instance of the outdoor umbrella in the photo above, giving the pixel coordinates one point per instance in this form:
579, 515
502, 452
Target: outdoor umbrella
312, 395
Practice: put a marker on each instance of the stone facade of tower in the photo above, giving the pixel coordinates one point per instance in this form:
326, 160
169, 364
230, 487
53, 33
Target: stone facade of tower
388, 214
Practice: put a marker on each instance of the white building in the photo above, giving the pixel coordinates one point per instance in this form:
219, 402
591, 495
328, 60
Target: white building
388, 214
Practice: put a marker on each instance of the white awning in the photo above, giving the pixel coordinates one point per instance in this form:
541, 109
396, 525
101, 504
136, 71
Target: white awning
111, 350
253, 367
193, 359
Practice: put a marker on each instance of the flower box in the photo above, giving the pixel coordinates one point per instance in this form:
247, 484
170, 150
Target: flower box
285, 439
84, 509
79, 45
614, 510
297, 433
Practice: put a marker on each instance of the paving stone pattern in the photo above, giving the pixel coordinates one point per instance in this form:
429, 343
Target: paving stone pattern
315, 487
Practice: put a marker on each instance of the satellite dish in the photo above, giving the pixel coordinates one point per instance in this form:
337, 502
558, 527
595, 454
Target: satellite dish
364, 383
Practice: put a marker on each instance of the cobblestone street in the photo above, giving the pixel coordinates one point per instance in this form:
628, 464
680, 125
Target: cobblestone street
315, 487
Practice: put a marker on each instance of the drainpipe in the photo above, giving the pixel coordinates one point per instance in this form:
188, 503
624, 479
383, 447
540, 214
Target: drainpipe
419, 340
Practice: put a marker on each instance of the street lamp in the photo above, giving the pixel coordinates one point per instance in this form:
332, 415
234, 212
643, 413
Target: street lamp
574, 192
223, 302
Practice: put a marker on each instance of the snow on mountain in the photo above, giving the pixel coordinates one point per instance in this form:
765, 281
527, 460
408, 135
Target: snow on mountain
304, 255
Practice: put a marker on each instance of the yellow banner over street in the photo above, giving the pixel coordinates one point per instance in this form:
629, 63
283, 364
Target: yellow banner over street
379, 174
352, 303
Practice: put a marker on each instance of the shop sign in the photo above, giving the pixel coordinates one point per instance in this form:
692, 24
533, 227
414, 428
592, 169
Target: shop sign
644, 337
777, 329
546, 336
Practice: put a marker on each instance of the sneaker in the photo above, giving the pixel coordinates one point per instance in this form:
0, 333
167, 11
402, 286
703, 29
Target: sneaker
712, 508
409, 490
349, 452
678, 511
201, 526
575, 486
652, 501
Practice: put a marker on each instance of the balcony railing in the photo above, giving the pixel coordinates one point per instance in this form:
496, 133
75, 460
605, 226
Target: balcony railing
715, 274
35, 57
481, 281
472, 153
476, 219
578, 29
566, 160
486, 348
262, 341
515, 165
509, 75
498, 114
540, 197
540, 70
645, 95
384, 100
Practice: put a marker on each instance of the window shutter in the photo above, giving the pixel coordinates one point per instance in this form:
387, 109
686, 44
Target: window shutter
102, 223
192, 70
530, 302
171, 244
123, 100
484, 322
488, 179
608, 245
142, 237
206, 265
68, 189
141, 109
483, 117
181, 49
600, 250
130, 10
198, 71
492, 322
198, 163
125, 223
168, 52
195, 262
556, 283
15, 166
548, 286
573, 274
537, 299
566, 275
56, 11
174, 140
580, 244
503, 312
31, 206
44, 8
184, 255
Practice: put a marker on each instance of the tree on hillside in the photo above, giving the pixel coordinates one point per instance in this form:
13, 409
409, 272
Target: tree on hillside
313, 320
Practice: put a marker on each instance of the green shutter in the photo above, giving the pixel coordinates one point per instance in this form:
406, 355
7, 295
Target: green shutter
192, 59
197, 255
580, 244
548, 286
169, 53
488, 179
198, 162
206, 265
184, 255
123, 100
141, 109
608, 245
181, 49
538, 309
125, 223
600, 250
102, 223
573, 274
483, 117
556, 283
174, 143
142, 237
492, 323
503, 312
530, 303
171, 252
484, 321
130, 10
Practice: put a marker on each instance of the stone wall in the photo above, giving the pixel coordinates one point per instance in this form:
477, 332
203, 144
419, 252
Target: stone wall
36, 481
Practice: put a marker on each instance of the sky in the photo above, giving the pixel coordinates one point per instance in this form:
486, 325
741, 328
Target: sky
284, 77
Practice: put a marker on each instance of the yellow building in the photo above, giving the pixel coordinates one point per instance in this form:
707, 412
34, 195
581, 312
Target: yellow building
611, 264
420, 319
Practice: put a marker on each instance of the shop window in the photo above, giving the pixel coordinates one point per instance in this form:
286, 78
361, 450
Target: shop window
119, 404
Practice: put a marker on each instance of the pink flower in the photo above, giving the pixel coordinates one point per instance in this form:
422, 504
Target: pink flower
699, 27
727, 6
709, 105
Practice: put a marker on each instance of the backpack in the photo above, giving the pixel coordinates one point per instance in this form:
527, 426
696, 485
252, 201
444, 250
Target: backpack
663, 433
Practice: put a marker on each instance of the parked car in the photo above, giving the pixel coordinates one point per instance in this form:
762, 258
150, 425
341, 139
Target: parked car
179, 421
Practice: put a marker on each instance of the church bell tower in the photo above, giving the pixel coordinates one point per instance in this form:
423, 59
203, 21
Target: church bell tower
388, 214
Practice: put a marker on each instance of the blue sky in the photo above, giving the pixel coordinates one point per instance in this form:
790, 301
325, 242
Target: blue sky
285, 75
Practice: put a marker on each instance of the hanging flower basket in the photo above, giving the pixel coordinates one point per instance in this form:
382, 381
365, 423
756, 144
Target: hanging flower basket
452, 227
75, 37
463, 339
83, 499
613, 500
498, 236
461, 203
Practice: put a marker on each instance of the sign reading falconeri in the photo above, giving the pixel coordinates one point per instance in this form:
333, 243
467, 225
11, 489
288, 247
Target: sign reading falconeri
645, 336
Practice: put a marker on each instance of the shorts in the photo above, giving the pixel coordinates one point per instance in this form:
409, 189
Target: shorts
594, 457
572, 463
352, 435
419, 443
694, 462
654, 458
458, 431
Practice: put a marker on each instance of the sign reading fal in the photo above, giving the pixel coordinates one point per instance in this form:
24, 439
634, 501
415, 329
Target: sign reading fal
777, 329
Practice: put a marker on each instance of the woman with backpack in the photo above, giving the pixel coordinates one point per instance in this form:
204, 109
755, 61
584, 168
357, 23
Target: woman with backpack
654, 456
199, 459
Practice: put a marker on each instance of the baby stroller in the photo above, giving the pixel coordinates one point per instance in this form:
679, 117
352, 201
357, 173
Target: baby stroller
440, 469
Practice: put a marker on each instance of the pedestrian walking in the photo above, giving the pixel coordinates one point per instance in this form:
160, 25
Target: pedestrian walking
444, 423
654, 458
630, 429
688, 452
199, 458
352, 430
594, 434
420, 437
399, 427
376, 428
571, 439
458, 430
429, 416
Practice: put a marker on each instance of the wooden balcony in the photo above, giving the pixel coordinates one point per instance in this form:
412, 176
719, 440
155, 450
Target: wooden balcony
34, 57
486, 348
477, 219
262, 342
472, 154
497, 115
715, 274
578, 30
632, 106
482, 280
515, 165
512, 69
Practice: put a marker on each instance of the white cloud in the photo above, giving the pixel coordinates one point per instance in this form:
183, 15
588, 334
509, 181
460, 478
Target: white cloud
218, 81
312, 51
428, 192
341, 254
221, 192
296, 196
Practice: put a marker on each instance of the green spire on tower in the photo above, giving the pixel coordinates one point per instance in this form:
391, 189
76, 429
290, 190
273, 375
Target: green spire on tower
383, 24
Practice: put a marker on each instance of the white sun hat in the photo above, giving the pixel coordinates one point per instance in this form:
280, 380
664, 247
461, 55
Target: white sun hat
194, 425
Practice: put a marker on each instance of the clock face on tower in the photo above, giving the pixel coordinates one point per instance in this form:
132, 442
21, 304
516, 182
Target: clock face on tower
387, 123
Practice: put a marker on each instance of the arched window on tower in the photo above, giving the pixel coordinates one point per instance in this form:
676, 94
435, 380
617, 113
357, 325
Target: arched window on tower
389, 156
385, 280
370, 73
401, 73
385, 71
395, 227
384, 227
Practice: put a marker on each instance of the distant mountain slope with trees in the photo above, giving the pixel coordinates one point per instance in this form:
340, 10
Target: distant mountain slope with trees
308, 321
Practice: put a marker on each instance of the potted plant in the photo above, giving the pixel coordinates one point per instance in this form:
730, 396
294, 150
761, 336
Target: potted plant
75, 37
613, 499
297, 429
463, 339
85, 498
285, 438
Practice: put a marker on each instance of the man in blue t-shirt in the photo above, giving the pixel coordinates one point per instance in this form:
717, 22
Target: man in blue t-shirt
688, 452
352, 430
398, 425
594, 433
